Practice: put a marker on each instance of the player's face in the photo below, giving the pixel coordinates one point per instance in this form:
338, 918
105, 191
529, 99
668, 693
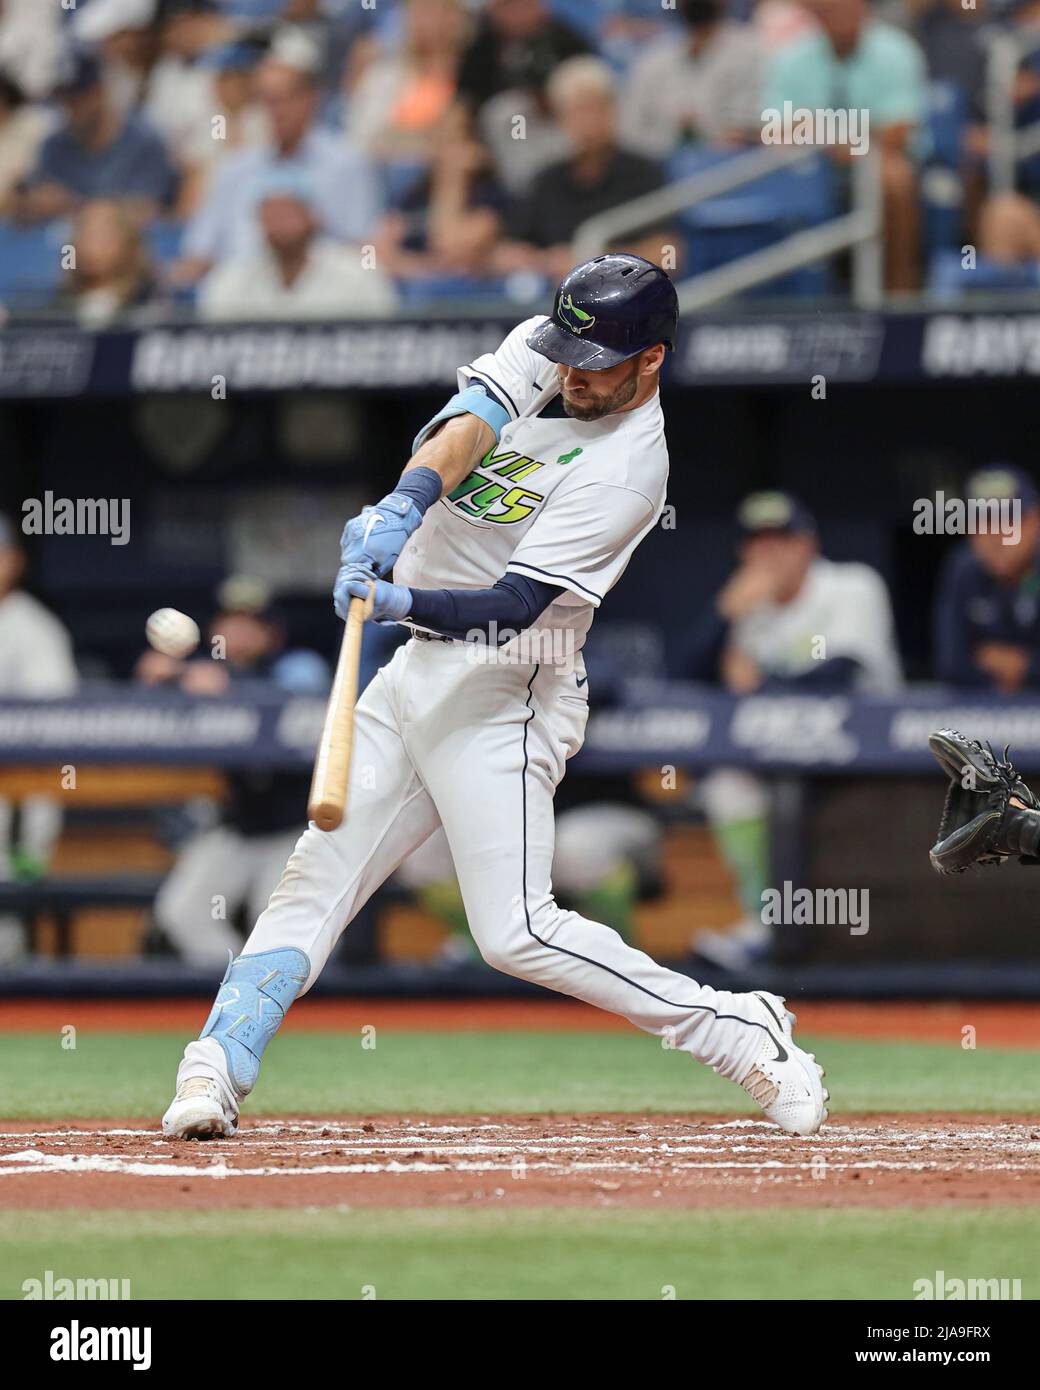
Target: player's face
591, 395
1007, 563
786, 555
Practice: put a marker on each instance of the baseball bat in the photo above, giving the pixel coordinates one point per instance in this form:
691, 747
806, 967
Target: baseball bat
327, 804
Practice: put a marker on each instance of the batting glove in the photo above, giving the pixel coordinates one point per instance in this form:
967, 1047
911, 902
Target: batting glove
390, 602
376, 538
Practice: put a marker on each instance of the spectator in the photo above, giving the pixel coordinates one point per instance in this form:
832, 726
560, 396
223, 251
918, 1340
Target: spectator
779, 22
96, 153
181, 92
113, 273
240, 860
1009, 223
229, 121
346, 193
36, 663
124, 34
299, 273
786, 620
398, 107
706, 89
449, 222
619, 30
31, 43
517, 44
597, 176
987, 609
502, 87
953, 40
855, 63
23, 129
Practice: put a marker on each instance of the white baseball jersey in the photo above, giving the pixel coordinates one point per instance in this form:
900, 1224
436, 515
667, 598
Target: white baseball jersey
558, 500
844, 604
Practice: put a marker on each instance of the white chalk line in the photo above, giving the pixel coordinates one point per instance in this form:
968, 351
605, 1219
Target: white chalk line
33, 1162
670, 1153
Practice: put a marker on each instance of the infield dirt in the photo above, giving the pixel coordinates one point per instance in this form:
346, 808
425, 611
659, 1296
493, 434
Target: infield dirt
638, 1161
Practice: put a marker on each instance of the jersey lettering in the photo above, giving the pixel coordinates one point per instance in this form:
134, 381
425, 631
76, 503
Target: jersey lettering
480, 496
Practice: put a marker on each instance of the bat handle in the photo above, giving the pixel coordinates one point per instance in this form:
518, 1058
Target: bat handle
327, 803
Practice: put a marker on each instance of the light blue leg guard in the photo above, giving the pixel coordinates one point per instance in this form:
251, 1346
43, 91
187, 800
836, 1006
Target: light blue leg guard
251, 1003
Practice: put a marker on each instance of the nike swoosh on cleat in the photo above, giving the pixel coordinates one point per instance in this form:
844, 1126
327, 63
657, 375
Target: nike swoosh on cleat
781, 1051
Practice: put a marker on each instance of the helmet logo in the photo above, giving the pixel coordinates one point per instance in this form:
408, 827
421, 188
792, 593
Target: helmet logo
577, 320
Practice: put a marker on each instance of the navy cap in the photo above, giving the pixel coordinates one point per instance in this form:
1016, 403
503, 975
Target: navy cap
79, 71
774, 511
1000, 480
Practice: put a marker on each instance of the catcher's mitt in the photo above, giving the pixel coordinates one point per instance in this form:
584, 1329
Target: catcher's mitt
990, 814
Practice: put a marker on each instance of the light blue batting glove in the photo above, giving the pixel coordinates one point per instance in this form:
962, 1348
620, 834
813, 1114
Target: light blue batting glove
390, 602
376, 538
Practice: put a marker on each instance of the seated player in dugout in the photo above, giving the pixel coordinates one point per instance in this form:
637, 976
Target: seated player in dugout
787, 619
987, 608
524, 500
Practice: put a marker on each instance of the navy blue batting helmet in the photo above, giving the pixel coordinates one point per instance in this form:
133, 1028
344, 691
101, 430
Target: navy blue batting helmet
606, 311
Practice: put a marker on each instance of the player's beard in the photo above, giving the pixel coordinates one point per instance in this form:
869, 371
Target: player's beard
594, 408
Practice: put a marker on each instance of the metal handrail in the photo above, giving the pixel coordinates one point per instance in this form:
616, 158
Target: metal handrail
1007, 145
858, 230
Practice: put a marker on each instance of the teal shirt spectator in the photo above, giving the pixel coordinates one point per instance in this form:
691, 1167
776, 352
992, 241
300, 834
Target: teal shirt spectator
885, 74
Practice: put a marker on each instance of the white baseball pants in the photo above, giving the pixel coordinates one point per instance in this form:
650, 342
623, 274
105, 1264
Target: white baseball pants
442, 739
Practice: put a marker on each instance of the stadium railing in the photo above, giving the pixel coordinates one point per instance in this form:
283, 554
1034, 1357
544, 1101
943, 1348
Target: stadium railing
1008, 146
857, 230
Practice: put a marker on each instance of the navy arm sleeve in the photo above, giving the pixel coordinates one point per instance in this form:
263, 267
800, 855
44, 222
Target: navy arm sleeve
511, 605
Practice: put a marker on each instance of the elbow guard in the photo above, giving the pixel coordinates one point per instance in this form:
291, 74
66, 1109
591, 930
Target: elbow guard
473, 401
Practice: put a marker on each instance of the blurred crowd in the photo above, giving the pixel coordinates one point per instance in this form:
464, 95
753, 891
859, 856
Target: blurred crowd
295, 158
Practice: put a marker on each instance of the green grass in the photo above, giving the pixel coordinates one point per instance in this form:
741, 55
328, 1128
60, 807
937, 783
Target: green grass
112, 1074
562, 1254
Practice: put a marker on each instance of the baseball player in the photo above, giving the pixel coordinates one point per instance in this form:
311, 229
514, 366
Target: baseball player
522, 504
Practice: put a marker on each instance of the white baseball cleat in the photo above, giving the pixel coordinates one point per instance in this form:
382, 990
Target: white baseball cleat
785, 1081
201, 1109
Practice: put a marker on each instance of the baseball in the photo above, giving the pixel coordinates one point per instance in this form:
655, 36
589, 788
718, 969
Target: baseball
172, 633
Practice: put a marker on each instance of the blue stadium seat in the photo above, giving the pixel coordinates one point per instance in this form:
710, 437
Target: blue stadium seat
30, 260
948, 279
947, 117
942, 182
757, 215
163, 240
429, 288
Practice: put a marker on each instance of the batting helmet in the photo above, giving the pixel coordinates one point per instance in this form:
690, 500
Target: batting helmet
606, 311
